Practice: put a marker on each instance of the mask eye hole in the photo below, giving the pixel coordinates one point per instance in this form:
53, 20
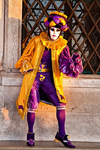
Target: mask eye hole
58, 30
52, 29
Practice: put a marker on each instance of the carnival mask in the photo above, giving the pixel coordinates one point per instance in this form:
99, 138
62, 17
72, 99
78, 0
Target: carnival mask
54, 33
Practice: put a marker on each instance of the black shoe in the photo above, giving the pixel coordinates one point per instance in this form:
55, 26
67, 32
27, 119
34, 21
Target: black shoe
65, 141
30, 139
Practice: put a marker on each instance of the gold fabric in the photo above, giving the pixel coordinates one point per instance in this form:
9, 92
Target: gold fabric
58, 44
33, 54
26, 67
44, 70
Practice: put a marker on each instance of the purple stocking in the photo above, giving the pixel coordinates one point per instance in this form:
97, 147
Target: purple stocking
61, 122
30, 121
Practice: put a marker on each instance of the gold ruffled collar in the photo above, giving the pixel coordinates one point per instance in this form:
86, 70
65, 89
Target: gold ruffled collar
58, 44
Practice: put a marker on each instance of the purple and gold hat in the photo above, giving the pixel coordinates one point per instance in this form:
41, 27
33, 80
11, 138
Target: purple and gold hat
57, 19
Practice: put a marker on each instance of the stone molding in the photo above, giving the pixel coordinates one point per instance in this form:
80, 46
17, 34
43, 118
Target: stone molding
15, 79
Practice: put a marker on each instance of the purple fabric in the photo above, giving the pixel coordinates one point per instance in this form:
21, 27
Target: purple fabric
34, 99
61, 122
64, 140
30, 139
56, 19
46, 58
30, 121
71, 66
21, 107
47, 87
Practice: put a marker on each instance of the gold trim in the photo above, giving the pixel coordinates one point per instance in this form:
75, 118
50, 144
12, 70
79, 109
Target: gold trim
59, 13
56, 140
44, 70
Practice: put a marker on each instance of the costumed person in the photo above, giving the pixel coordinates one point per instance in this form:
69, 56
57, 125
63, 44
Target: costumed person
43, 62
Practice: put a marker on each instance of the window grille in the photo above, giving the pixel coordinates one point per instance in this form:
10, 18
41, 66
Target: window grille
83, 35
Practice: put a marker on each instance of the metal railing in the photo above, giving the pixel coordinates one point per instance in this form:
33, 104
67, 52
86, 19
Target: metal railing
83, 35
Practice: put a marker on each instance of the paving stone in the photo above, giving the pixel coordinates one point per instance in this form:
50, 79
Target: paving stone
50, 145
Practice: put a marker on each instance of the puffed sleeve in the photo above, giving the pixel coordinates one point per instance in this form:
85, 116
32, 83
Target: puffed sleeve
70, 66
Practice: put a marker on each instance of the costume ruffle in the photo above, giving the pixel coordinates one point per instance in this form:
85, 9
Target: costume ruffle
57, 44
70, 66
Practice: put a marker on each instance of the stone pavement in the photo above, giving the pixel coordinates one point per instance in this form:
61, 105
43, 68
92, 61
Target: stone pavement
48, 145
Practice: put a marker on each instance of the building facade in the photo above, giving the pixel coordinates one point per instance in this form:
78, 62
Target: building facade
82, 93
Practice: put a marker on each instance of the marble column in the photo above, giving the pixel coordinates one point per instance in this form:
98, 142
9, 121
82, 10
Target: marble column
1, 32
13, 23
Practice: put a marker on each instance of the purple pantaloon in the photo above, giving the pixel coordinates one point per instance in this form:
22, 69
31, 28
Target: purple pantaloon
47, 86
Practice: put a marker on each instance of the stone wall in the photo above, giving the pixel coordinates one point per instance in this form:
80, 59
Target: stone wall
82, 94
82, 110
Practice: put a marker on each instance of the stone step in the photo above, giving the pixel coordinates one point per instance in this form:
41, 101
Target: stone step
47, 145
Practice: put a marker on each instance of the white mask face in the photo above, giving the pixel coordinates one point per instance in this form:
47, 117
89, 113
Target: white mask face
54, 33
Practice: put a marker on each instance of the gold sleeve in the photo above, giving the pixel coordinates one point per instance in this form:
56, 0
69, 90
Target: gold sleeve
27, 54
26, 67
